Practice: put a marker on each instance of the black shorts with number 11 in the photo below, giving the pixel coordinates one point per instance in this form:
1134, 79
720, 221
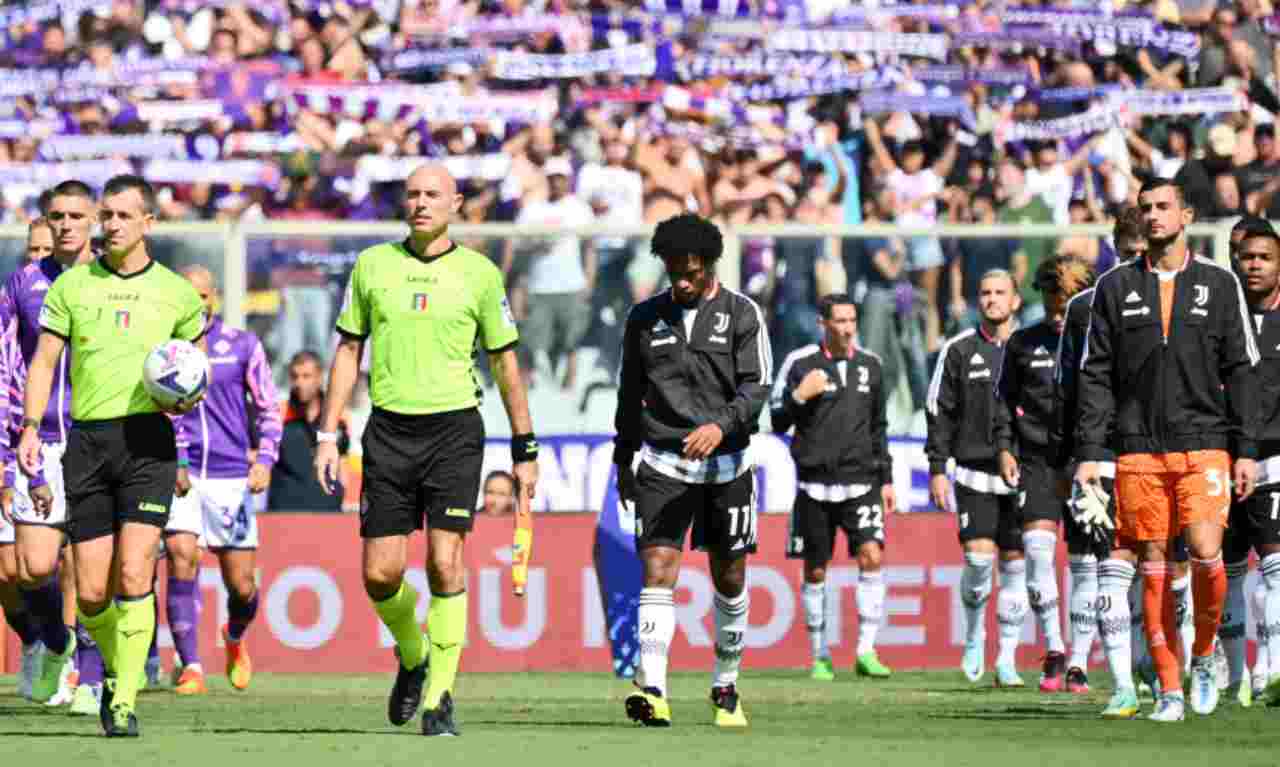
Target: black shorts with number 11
1254, 523
723, 516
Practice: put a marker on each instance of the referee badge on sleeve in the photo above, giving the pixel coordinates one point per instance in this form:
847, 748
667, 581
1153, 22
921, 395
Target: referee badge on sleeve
506, 312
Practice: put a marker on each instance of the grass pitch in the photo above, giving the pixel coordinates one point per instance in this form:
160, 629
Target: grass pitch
577, 720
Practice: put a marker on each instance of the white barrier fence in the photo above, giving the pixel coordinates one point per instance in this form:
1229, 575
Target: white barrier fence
235, 236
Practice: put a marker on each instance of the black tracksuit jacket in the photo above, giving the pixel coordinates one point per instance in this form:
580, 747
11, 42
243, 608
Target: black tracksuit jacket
1025, 391
961, 406
1195, 390
842, 434
671, 383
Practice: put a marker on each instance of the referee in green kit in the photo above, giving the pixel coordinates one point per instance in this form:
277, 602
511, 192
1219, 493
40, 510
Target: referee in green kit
423, 304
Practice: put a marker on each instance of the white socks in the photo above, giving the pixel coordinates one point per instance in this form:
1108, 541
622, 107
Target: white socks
870, 597
1271, 611
1114, 620
1084, 608
975, 590
1011, 608
1261, 668
814, 596
1234, 615
1137, 640
1186, 619
657, 624
1042, 585
731, 636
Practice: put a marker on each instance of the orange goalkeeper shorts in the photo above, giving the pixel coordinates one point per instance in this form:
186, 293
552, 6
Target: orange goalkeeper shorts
1158, 495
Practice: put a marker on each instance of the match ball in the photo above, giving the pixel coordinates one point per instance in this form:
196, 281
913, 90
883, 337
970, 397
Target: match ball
176, 374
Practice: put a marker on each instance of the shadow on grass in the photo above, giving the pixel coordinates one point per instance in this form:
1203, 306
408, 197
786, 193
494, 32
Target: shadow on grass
28, 734
33, 710
531, 723
1014, 713
291, 731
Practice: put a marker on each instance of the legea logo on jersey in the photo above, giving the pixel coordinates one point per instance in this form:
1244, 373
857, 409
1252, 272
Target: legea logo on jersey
122, 319
419, 302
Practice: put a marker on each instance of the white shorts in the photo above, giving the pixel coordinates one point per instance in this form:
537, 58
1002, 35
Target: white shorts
24, 511
219, 511
6, 532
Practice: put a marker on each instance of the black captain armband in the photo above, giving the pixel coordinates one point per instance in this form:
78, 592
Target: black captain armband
524, 447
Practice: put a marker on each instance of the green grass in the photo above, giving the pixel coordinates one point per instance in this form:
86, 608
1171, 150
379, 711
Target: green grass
576, 720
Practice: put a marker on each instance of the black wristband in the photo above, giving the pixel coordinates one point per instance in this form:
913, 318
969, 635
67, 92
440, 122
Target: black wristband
30, 423
524, 447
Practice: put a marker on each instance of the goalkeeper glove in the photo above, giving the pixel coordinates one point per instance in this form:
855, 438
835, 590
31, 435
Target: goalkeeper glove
1089, 510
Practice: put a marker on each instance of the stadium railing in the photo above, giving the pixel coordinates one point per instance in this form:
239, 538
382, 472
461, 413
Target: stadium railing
284, 280
178, 244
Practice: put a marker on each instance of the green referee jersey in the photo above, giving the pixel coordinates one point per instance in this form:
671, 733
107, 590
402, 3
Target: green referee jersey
111, 322
423, 317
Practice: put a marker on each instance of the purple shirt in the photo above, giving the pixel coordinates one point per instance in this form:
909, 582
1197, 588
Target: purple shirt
214, 437
20, 301
21, 298
12, 373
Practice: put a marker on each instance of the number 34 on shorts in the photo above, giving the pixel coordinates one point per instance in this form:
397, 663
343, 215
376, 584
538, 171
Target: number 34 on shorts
1157, 496
220, 511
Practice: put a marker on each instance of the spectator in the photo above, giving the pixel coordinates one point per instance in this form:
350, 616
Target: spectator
891, 322
916, 190
1019, 204
1167, 161
1228, 203
972, 257
500, 493
1264, 168
615, 182
561, 275
803, 276
1211, 65
1083, 247
1197, 173
669, 165
1054, 180
294, 487
305, 317
1248, 29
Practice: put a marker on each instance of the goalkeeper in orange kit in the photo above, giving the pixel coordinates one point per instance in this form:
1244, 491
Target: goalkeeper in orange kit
1167, 378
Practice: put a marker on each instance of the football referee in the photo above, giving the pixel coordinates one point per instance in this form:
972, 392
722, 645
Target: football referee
121, 460
422, 304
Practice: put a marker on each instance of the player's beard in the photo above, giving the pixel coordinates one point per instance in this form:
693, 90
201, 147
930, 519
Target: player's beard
997, 320
1161, 244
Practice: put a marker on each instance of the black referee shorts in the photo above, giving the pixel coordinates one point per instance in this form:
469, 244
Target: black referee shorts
420, 469
116, 471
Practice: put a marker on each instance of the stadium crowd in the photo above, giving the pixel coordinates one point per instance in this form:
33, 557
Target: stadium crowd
565, 112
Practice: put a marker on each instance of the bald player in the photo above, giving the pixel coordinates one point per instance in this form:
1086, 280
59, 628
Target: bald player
422, 304
221, 472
